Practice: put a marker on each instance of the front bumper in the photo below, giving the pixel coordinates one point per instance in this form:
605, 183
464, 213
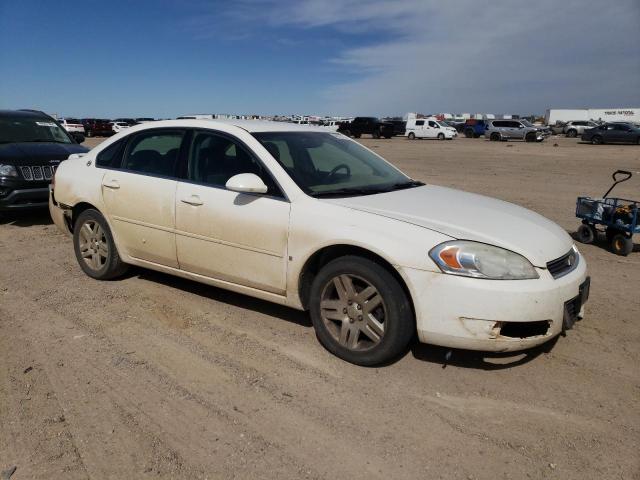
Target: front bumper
23, 198
58, 214
493, 315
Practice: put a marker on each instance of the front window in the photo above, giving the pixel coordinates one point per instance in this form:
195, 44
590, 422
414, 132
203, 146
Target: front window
327, 164
31, 129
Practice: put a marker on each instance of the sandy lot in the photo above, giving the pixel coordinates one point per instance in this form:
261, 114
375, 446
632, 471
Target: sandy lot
157, 377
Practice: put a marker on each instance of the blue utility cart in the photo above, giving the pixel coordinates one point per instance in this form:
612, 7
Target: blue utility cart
617, 216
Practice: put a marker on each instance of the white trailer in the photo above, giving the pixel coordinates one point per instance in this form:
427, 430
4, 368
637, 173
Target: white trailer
602, 114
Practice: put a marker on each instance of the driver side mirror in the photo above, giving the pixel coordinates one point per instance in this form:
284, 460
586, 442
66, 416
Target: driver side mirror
246, 183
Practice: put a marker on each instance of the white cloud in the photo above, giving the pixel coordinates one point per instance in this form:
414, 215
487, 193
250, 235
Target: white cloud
502, 56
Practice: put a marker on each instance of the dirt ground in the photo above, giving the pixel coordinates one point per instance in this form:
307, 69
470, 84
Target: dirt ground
156, 377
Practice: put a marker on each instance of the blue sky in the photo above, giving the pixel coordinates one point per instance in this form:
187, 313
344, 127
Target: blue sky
164, 58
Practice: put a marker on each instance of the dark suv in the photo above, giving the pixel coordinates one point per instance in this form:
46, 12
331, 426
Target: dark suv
367, 125
32, 144
97, 127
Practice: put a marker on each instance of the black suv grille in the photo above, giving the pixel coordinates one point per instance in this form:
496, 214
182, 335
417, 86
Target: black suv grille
37, 173
563, 265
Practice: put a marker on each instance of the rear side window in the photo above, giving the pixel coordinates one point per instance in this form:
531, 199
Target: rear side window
154, 152
419, 123
110, 157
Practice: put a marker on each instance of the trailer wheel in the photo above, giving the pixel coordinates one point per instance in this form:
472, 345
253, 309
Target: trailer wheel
586, 233
621, 244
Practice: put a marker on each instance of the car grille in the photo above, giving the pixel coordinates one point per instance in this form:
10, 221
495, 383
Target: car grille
563, 265
37, 173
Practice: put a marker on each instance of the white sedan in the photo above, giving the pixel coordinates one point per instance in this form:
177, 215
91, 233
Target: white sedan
311, 219
118, 127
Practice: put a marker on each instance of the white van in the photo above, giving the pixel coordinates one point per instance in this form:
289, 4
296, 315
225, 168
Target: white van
429, 128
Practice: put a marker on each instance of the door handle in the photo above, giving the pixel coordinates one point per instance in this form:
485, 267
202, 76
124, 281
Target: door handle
192, 200
113, 184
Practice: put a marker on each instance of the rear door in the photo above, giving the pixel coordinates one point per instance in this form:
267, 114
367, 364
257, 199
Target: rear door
139, 195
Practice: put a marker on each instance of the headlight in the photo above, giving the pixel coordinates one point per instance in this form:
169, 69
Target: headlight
8, 171
479, 260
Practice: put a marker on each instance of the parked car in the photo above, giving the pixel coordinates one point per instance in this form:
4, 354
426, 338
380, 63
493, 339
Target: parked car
306, 218
557, 128
129, 121
367, 125
474, 128
96, 127
429, 128
399, 125
71, 125
577, 127
612, 133
119, 126
32, 145
503, 130
145, 120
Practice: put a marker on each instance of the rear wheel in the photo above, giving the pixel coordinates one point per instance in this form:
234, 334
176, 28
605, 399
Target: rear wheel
572, 133
586, 233
621, 244
494, 137
412, 136
94, 247
360, 312
356, 135
596, 140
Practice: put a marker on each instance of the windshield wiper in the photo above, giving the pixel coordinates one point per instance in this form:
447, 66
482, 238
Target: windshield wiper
367, 190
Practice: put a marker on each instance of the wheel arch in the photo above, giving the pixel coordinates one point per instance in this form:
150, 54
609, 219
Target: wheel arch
77, 209
324, 255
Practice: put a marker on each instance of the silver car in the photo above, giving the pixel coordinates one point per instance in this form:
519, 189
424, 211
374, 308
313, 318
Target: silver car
577, 127
502, 130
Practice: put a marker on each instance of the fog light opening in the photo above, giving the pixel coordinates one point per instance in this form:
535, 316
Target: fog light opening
525, 329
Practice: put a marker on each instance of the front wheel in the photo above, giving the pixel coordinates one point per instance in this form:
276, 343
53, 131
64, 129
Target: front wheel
494, 137
572, 133
621, 244
441, 136
360, 312
530, 137
94, 247
596, 140
468, 133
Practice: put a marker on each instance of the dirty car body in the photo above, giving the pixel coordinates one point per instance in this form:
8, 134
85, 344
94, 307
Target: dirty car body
300, 203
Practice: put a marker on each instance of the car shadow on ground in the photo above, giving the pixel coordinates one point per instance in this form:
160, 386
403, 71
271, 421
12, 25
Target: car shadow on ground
478, 360
224, 296
26, 219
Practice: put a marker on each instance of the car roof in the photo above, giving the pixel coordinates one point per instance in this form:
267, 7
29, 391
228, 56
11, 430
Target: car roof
252, 126
23, 113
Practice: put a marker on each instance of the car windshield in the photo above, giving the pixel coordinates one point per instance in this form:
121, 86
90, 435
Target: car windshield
329, 164
526, 123
31, 129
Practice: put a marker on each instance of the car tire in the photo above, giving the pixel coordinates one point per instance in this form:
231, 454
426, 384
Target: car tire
347, 133
469, 133
411, 136
349, 285
375, 134
621, 244
530, 137
356, 135
596, 140
95, 248
441, 136
494, 137
572, 133
387, 137
586, 233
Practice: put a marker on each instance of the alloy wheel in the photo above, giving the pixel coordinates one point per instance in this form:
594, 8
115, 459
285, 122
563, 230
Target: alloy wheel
94, 248
353, 312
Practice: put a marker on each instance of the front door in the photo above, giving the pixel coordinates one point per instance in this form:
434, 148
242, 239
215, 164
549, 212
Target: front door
235, 237
140, 196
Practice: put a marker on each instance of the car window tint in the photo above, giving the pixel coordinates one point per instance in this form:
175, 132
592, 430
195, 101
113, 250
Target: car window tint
327, 157
419, 123
432, 124
110, 157
154, 153
214, 159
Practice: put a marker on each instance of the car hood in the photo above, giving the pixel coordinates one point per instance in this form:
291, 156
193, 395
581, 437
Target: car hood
469, 216
35, 153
